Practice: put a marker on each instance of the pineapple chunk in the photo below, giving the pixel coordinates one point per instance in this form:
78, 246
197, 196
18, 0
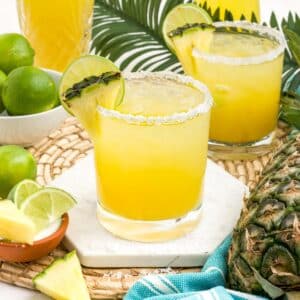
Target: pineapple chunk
14, 225
188, 37
63, 279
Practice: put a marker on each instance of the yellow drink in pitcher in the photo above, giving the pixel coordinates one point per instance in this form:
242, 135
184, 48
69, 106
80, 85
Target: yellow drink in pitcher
236, 7
150, 155
58, 30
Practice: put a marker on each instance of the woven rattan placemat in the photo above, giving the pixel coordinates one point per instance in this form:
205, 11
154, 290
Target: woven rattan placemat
60, 151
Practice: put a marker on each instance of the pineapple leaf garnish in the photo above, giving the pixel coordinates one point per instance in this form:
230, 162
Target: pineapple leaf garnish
180, 30
77, 88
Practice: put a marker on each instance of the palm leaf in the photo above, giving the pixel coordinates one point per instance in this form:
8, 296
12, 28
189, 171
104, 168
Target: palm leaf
129, 32
290, 108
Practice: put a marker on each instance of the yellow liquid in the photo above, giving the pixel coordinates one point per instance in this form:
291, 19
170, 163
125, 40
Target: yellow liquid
58, 30
236, 7
246, 96
152, 172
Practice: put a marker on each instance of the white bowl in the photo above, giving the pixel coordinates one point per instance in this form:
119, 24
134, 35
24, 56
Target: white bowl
30, 129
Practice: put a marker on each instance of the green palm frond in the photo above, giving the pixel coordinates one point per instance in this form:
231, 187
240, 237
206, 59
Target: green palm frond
129, 32
290, 108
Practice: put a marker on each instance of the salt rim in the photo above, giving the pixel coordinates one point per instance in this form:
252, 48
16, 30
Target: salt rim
181, 117
251, 60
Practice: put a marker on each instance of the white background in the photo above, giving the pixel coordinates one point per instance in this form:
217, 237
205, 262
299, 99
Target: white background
9, 23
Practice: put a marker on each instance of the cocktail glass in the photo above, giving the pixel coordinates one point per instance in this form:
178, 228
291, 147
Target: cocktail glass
58, 30
150, 157
242, 67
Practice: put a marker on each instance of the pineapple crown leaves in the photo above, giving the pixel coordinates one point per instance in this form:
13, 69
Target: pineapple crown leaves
180, 30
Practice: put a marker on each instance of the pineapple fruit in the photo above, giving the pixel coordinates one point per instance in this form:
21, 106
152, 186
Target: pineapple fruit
14, 225
188, 37
63, 279
264, 257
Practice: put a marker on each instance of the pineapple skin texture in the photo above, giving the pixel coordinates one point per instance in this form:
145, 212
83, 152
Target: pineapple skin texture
267, 235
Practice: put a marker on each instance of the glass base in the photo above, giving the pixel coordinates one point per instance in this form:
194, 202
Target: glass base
247, 151
148, 231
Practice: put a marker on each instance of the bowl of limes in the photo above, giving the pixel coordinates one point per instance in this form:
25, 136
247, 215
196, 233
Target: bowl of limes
29, 104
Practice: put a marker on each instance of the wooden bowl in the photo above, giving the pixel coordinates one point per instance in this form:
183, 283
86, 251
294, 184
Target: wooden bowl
19, 252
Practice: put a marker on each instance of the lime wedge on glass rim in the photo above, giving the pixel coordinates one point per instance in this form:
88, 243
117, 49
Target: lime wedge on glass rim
22, 191
183, 14
88, 82
47, 206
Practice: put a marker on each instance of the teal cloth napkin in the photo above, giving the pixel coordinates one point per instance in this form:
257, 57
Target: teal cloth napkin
209, 284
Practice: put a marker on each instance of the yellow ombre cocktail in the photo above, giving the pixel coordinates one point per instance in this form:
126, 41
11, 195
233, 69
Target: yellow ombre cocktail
242, 69
150, 148
241, 63
58, 30
150, 157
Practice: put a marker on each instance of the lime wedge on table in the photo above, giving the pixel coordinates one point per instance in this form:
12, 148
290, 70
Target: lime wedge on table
183, 14
88, 82
22, 191
46, 206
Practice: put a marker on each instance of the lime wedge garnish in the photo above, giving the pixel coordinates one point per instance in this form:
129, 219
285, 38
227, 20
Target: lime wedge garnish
183, 14
88, 82
22, 191
46, 206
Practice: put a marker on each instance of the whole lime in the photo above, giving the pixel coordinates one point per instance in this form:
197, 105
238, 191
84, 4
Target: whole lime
2, 80
28, 90
15, 51
16, 164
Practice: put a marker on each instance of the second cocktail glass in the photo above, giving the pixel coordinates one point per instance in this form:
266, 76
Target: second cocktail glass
241, 63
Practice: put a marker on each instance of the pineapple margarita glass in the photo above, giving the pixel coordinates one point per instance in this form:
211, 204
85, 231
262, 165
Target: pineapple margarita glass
150, 147
241, 63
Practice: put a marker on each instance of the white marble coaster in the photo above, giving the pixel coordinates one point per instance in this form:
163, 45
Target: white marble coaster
98, 248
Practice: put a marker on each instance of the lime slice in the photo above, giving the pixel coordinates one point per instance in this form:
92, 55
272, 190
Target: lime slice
46, 206
22, 191
183, 14
88, 82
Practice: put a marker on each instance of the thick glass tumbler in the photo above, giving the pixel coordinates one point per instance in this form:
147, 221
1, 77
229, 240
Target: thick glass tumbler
150, 157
